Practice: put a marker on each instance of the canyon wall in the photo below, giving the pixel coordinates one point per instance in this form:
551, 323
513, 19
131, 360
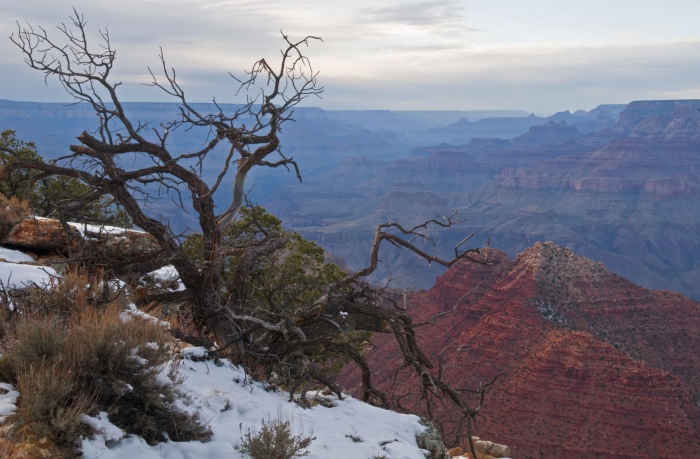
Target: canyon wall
593, 365
626, 196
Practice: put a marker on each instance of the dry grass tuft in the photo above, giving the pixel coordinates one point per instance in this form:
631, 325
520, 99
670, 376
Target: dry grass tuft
12, 211
275, 440
75, 291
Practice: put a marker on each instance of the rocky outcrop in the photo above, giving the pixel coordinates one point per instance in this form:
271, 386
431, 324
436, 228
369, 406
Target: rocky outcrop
483, 449
488, 450
47, 237
548, 134
653, 116
595, 365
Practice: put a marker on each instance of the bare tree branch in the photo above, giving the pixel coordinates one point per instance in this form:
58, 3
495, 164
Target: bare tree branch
264, 335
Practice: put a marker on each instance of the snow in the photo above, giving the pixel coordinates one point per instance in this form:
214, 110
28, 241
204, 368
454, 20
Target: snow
8, 401
14, 275
194, 353
133, 311
103, 427
84, 228
137, 358
232, 404
167, 273
14, 256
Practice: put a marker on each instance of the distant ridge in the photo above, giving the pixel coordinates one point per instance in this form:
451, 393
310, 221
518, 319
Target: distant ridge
627, 194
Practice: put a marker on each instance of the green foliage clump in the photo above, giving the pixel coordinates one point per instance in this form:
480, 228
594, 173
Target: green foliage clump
46, 195
275, 440
281, 282
88, 359
285, 279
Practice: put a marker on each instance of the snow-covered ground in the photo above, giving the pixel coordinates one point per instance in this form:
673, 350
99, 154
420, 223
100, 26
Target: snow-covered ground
86, 229
8, 401
167, 274
14, 275
232, 404
14, 256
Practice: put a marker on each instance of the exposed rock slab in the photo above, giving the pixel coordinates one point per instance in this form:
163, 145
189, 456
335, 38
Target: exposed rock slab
92, 242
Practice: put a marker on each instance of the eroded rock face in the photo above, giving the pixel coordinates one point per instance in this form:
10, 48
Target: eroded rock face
660, 119
49, 236
596, 366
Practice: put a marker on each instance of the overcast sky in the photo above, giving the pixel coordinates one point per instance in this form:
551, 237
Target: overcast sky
537, 55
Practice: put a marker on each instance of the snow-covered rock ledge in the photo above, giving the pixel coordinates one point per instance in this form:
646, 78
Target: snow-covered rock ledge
232, 404
47, 235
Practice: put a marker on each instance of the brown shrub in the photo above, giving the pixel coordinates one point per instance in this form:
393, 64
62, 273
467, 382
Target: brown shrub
12, 211
51, 404
76, 290
69, 357
275, 440
31, 343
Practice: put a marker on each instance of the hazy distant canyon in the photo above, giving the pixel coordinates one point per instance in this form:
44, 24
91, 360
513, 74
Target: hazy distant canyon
618, 184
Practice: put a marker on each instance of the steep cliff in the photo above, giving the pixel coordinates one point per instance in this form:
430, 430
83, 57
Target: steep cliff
595, 365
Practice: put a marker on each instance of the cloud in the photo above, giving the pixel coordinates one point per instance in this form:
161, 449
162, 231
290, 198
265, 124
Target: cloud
538, 77
400, 54
440, 15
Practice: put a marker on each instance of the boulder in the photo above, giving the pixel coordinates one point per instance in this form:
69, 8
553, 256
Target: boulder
488, 450
114, 244
493, 449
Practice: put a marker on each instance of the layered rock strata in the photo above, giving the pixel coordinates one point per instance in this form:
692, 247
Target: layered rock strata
594, 365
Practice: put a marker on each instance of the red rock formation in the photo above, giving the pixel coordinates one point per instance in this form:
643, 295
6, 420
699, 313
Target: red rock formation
596, 366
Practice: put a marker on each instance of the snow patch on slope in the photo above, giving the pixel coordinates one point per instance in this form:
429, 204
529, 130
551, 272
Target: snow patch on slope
13, 275
231, 403
167, 274
14, 256
8, 400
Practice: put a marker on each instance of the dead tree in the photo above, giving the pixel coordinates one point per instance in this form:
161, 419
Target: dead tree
279, 339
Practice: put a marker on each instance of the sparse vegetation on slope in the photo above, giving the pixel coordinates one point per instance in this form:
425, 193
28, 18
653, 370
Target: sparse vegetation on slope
275, 439
70, 354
